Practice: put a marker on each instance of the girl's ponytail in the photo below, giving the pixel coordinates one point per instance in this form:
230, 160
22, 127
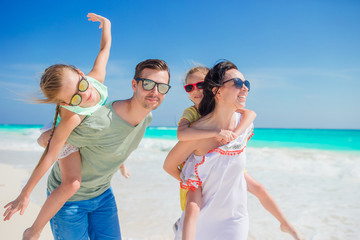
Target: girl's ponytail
52, 133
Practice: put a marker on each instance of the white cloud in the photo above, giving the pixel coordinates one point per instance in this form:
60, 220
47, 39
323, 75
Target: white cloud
119, 68
14, 85
280, 78
32, 67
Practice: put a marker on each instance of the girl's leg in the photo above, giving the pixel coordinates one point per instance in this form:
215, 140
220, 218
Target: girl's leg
270, 205
71, 221
192, 209
104, 220
70, 168
44, 138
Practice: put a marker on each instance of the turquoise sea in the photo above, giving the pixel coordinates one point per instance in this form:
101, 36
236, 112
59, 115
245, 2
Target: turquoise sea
322, 139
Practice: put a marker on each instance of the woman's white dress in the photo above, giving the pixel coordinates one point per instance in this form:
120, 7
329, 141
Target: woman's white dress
220, 173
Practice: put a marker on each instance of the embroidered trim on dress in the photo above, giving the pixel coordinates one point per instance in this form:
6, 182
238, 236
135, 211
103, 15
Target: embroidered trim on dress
231, 153
189, 185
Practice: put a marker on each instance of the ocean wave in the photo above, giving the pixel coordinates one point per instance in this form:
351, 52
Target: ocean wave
20, 140
162, 145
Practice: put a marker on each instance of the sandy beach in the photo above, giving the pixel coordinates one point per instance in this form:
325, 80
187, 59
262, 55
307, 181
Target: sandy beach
11, 182
314, 189
140, 199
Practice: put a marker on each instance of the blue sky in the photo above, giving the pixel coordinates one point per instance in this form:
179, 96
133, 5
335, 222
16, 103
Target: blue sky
301, 57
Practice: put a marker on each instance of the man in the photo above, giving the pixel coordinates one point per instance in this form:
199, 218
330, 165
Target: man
106, 139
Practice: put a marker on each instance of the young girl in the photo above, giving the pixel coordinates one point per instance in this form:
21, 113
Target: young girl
76, 96
191, 201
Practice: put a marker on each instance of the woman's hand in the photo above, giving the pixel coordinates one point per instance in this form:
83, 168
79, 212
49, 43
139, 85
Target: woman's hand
97, 18
19, 204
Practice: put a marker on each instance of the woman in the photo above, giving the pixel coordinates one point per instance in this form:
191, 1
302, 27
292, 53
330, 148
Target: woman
218, 171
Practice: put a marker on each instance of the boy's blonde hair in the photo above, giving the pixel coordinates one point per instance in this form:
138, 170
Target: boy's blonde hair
193, 70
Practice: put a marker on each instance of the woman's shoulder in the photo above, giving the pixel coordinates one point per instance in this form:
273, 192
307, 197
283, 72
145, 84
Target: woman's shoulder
203, 123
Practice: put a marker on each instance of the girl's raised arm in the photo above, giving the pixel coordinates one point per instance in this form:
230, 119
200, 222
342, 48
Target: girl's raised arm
99, 69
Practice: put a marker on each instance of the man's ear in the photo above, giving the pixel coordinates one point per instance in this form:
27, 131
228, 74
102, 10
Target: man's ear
133, 84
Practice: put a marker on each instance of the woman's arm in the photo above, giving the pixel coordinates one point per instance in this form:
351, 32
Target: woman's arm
99, 69
68, 122
180, 152
248, 116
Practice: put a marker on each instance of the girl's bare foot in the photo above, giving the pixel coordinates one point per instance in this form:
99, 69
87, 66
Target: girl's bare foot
287, 228
29, 234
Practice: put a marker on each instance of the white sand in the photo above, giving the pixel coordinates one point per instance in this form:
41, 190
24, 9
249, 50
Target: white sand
11, 180
315, 190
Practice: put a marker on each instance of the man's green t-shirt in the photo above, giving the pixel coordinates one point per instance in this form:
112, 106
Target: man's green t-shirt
105, 141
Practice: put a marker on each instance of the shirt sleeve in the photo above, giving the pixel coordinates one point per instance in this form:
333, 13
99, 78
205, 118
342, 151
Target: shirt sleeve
190, 114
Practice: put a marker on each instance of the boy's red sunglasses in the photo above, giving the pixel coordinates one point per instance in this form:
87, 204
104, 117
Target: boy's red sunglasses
191, 87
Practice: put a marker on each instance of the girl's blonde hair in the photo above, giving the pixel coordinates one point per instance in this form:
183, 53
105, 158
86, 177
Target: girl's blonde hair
51, 82
50, 85
193, 70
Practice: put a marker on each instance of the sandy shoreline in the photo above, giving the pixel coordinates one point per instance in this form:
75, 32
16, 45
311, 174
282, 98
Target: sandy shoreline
144, 208
11, 180
315, 190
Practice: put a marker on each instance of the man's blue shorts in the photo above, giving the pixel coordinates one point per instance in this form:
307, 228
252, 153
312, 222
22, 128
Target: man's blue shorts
95, 218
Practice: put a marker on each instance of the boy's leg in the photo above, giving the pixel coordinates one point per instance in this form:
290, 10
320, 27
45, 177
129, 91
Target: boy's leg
104, 220
270, 205
192, 209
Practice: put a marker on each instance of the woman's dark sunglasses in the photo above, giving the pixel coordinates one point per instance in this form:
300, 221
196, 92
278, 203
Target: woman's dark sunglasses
82, 87
239, 83
191, 87
149, 85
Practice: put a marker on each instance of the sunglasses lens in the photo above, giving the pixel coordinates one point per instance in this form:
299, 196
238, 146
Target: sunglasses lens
247, 84
238, 82
163, 88
83, 85
189, 87
75, 100
200, 85
148, 85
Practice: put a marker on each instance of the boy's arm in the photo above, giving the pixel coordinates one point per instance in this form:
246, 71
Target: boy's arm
99, 69
68, 122
124, 171
187, 133
180, 152
248, 116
